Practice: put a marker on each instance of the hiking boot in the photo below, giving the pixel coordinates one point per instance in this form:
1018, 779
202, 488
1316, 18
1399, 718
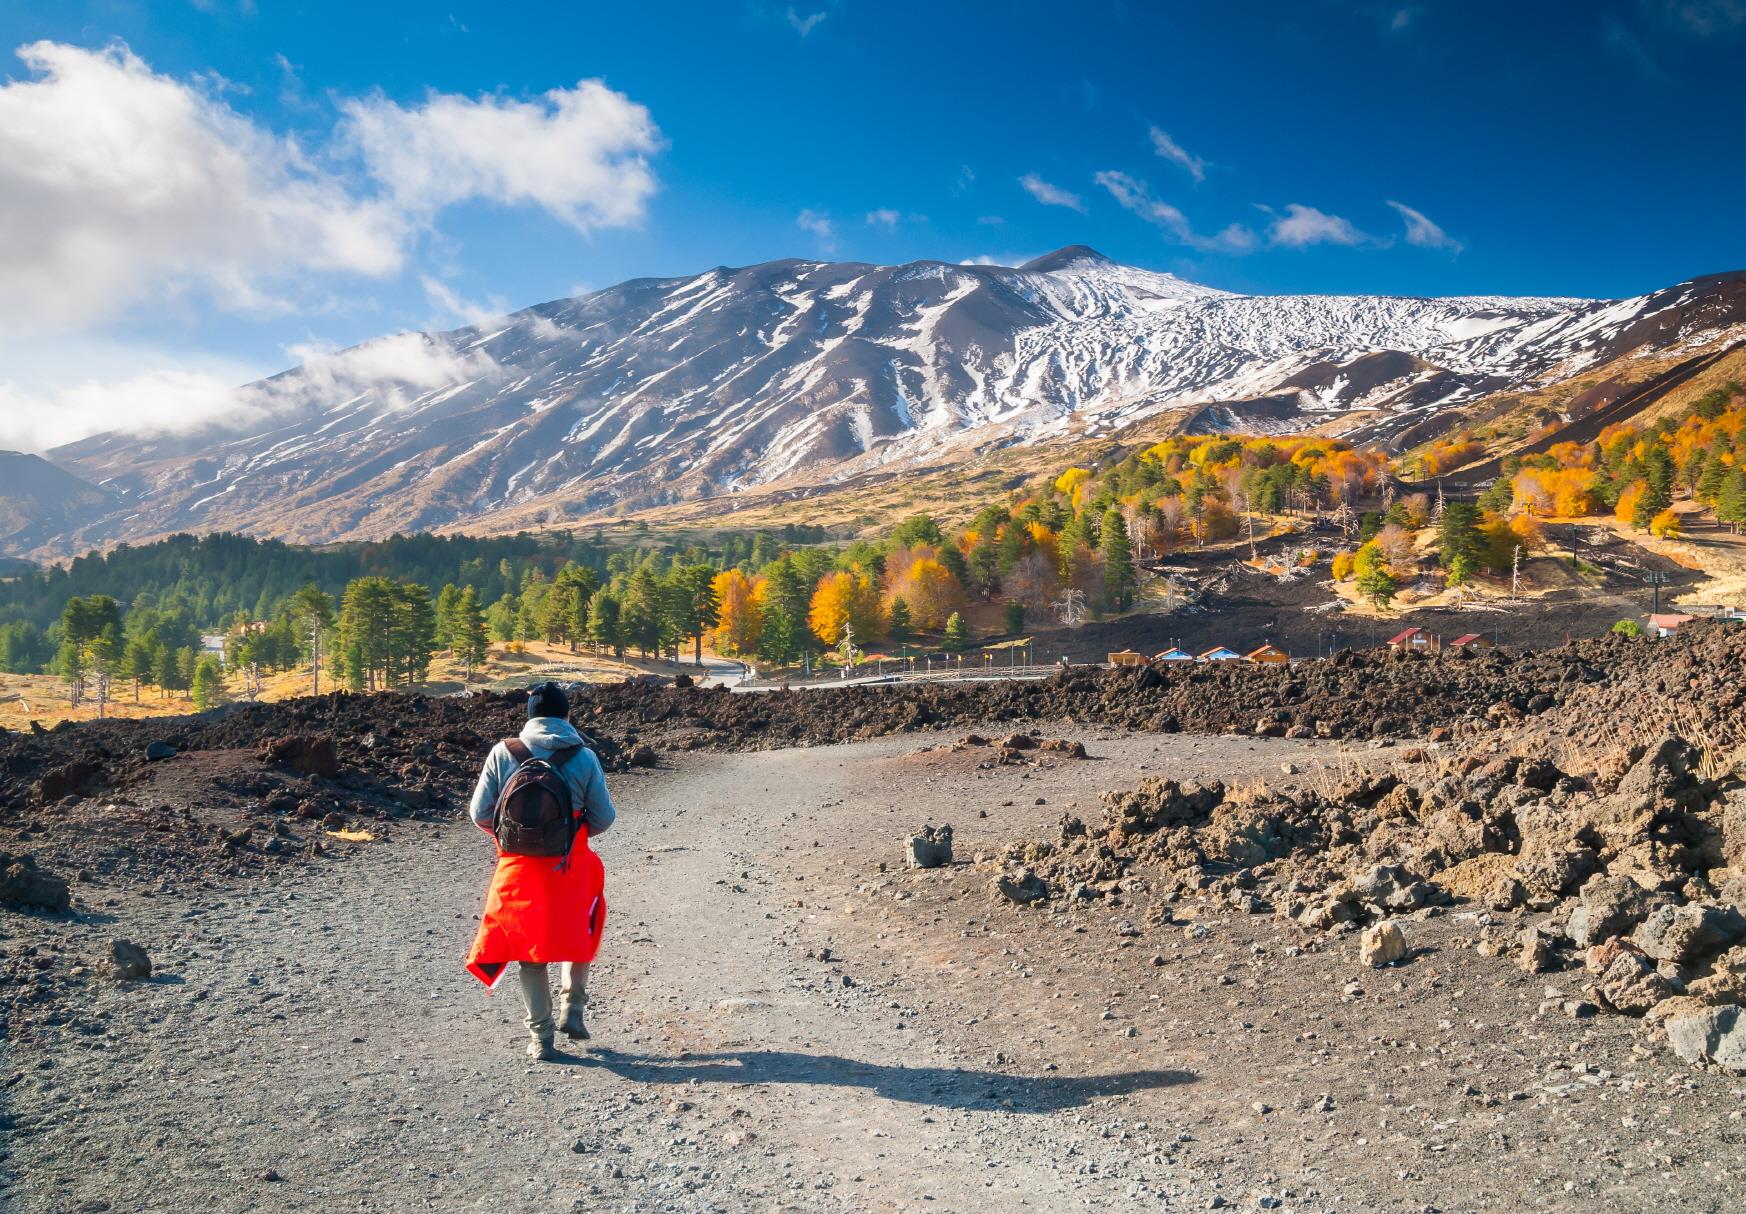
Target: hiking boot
540, 1049
572, 1025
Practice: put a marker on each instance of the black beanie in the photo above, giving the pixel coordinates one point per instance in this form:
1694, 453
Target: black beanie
548, 700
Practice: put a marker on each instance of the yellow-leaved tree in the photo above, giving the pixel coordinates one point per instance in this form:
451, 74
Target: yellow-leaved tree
739, 620
846, 598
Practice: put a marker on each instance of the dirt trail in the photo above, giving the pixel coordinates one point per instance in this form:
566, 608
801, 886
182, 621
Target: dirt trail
312, 1043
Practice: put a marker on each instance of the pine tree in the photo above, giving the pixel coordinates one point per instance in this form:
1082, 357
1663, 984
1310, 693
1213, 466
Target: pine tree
447, 599
898, 628
603, 622
208, 683
1119, 576
958, 635
467, 631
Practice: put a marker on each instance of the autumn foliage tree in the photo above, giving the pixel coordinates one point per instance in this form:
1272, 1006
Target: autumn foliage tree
845, 599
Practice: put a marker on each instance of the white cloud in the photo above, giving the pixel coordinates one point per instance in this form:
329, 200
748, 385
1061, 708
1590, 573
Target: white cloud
450, 304
884, 217
820, 225
1303, 226
1008, 260
1134, 196
154, 401
1176, 154
1421, 231
135, 187
805, 24
1051, 195
132, 185
190, 393
581, 154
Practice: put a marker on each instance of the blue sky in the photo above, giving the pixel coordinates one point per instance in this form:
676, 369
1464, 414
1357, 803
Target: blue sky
200, 192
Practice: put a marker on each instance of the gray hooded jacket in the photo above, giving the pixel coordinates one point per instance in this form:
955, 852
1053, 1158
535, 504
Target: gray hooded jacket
543, 736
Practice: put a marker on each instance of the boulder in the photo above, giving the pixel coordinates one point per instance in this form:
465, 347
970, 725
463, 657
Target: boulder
1611, 906
158, 750
929, 847
1021, 886
1715, 1036
1684, 934
1631, 984
311, 754
1536, 955
642, 756
129, 961
22, 883
1383, 944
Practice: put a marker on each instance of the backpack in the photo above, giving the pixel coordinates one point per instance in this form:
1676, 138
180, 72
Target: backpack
534, 813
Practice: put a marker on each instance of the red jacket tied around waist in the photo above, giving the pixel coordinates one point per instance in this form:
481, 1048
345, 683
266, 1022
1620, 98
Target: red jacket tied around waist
542, 909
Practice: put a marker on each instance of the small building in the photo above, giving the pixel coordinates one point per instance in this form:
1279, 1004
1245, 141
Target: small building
1410, 638
1220, 653
1173, 654
1473, 640
1666, 623
1127, 657
1269, 655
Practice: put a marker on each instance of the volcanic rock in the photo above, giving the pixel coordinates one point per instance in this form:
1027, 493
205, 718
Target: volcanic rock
128, 961
22, 883
929, 847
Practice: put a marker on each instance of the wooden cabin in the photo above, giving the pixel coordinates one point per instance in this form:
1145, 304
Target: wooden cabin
1269, 655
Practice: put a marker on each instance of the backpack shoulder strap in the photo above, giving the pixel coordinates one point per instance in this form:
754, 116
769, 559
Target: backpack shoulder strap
517, 749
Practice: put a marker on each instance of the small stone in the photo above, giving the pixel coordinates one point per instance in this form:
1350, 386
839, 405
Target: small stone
129, 961
1382, 944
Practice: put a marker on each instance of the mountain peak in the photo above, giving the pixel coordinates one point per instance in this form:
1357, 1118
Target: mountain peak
1061, 258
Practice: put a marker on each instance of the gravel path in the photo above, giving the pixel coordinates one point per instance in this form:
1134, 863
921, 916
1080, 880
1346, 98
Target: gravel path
778, 1026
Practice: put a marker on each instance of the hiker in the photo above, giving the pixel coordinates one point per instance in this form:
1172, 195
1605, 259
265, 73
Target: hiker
541, 797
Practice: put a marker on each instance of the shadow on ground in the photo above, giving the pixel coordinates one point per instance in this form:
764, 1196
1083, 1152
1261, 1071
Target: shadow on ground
947, 1087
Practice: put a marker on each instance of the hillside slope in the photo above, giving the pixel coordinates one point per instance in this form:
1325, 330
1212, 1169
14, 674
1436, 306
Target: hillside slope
660, 391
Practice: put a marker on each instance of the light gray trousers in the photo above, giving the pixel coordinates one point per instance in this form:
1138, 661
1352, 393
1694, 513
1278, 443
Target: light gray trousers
536, 993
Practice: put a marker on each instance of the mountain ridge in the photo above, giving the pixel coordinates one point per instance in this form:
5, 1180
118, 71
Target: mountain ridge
658, 390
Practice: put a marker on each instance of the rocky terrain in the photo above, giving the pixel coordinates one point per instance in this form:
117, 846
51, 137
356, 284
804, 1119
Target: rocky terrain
1345, 935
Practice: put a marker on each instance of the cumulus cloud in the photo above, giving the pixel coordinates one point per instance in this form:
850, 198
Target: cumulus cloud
581, 154
884, 217
1176, 154
132, 184
820, 225
1303, 226
136, 186
1051, 195
1135, 196
1421, 231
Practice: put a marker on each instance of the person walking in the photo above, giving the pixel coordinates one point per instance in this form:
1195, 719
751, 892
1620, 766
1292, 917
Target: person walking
542, 796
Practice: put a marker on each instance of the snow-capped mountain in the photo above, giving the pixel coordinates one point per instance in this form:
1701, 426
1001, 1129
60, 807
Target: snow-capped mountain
661, 389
